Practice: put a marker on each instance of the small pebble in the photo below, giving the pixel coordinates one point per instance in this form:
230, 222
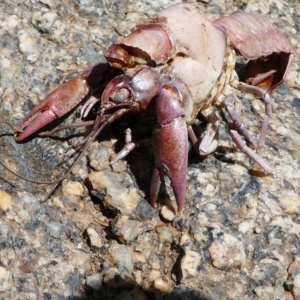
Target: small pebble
227, 252
190, 263
246, 226
257, 230
164, 235
154, 261
73, 190
284, 131
296, 286
139, 257
44, 21
290, 202
121, 255
99, 156
117, 278
117, 196
160, 285
5, 200
28, 44
94, 281
138, 277
3, 274
119, 166
167, 213
94, 237
127, 229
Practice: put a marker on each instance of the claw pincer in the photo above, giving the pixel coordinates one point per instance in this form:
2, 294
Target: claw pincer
56, 105
61, 101
170, 145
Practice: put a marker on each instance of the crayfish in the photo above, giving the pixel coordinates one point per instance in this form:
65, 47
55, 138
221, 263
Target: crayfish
183, 65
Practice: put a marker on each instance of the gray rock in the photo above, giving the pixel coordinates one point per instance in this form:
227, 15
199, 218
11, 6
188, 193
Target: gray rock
127, 229
117, 197
94, 281
121, 255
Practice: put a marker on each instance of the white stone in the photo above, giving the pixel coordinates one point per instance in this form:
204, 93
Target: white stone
28, 45
190, 263
94, 237
118, 197
167, 213
227, 252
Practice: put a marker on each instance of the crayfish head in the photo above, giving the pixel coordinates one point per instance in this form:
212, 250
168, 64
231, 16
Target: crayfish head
134, 91
117, 94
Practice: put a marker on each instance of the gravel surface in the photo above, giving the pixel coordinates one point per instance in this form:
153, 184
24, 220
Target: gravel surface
96, 236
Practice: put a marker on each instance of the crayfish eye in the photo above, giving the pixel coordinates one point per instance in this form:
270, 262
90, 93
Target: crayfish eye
121, 96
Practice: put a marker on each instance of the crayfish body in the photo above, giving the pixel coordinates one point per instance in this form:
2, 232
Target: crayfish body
184, 64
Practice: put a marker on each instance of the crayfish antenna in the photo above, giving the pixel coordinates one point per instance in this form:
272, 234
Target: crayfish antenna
91, 137
16, 174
